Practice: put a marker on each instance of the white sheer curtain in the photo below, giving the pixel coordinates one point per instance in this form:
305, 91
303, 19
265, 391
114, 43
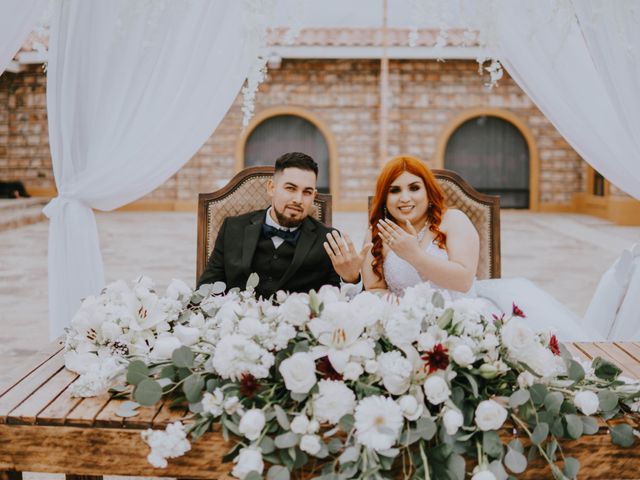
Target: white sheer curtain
134, 89
543, 48
17, 18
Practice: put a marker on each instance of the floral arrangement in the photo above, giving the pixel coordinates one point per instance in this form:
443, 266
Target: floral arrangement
361, 387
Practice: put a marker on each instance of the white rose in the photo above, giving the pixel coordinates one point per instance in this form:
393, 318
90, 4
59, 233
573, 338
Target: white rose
369, 307
252, 423
484, 475
300, 424
328, 294
463, 355
490, 415
187, 335
310, 444
352, 371
333, 401
164, 347
517, 337
411, 409
402, 329
299, 372
587, 402
436, 389
452, 420
295, 310
525, 380
395, 371
248, 460
426, 341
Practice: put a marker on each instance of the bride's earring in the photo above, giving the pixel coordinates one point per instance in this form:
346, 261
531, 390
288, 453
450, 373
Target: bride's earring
384, 211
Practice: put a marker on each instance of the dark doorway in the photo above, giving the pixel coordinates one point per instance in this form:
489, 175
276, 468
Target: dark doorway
288, 133
492, 155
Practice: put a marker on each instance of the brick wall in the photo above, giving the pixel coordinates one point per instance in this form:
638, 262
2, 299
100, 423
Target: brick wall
24, 133
425, 96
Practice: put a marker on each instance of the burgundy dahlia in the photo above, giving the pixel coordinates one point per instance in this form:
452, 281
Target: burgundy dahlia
437, 358
554, 346
249, 385
517, 312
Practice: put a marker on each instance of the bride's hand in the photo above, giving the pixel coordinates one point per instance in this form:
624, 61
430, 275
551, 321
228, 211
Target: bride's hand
404, 243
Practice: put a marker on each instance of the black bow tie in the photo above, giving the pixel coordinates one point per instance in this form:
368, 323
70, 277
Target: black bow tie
289, 236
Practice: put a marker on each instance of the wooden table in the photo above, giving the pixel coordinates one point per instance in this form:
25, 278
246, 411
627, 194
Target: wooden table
44, 429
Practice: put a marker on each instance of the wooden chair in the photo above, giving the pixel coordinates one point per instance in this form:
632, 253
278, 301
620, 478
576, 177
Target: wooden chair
483, 211
244, 193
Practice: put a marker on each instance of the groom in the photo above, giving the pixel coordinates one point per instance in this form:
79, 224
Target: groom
288, 249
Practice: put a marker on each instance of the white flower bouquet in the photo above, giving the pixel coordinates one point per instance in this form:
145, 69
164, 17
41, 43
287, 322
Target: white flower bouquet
362, 386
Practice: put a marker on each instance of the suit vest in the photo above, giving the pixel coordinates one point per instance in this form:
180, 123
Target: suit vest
270, 264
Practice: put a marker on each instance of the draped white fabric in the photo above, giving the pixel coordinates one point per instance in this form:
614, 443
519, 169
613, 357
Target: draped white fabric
594, 106
134, 89
17, 18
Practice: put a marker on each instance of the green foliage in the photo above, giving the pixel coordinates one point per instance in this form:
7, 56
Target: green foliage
605, 369
182, 357
148, 392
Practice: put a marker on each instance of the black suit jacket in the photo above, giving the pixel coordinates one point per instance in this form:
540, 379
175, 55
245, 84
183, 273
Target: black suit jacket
232, 256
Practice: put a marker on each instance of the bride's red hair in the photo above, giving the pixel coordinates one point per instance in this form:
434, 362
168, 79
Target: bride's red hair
392, 170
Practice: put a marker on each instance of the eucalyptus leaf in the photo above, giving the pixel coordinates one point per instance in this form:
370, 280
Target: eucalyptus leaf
391, 452
590, 425
571, 467
516, 445
608, 400
557, 428
182, 357
456, 466
575, 371
278, 472
302, 346
193, 387
350, 454
538, 393
553, 402
137, 371
515, 461
491, 444
519, 397
346, 423
426, 428
253, 475
575, 427
252, 281
164, 382
287, 440
267, 445
218, 288
605, 369
335, 445
125, 410
148, 392
282, 418
323, 452
498, 470
622, 435
540, 433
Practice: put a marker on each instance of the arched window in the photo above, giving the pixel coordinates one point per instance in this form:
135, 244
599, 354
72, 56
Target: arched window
288, 133
492, 155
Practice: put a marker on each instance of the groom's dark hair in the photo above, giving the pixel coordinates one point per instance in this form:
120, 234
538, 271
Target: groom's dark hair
296, 160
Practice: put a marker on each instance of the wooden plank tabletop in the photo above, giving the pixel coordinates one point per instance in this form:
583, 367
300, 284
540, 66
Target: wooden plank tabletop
42, 395
45, 427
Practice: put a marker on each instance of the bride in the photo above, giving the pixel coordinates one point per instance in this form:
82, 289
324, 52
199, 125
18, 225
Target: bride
416, 238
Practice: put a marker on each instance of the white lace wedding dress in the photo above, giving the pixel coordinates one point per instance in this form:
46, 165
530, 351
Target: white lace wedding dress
541, 309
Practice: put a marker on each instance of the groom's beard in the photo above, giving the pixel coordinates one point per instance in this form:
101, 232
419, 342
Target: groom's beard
287, 222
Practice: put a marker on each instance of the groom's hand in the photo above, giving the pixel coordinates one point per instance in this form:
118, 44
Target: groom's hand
346, 261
